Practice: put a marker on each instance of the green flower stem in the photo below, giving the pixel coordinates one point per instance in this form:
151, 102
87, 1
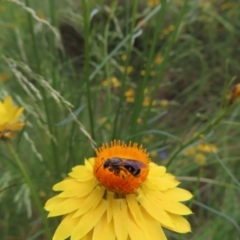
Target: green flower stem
123, 87
45, 100
32, 189
86, 20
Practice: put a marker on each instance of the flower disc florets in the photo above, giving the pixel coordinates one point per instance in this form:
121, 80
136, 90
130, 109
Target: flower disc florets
121, 168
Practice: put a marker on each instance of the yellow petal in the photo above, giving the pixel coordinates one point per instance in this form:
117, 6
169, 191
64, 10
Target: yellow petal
153, 226
104, 230
161, 184
89, 221
81, 173
169, 176
65, 228
155, 210
16, 126
92, 160
66, 184
88, 236
120, 218
3, 126
2, 109
88, 164
178, 194
157, 171
134, 209
79, 168
136, 232
67, 206
90, 201
52, 203
83, 189
17, 114
8, 102
110, 198
167, 204
181, 225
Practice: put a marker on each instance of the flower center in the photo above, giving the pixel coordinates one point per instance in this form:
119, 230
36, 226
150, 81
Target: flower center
121, 168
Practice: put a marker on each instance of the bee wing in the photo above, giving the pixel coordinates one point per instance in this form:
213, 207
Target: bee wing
133, 163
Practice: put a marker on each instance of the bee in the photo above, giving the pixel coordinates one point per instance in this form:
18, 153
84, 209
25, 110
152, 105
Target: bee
117, 164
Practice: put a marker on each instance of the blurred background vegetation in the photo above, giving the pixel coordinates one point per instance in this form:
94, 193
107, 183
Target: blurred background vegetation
156, 73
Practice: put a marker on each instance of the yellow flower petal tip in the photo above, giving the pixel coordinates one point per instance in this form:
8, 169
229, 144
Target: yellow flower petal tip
119, 194
9, 119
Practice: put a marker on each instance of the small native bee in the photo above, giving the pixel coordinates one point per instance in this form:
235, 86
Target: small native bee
116, 164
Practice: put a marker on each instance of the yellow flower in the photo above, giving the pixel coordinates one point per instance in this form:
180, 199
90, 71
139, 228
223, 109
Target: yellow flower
146, 101
9, 118
105, 82
146, 90
130, 99
158, 59
166, 31
207, 147
4, 77
119, 194
124, 57
115, 82
148, 138
139, 120
200, 159
152, 73
164, 103
129, 94
112, 81
190, 151
129, 69
153, 154
171, 28
102, 120
153, 3
142, 72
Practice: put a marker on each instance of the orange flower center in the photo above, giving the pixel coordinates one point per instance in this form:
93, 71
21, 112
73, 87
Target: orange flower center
121, 168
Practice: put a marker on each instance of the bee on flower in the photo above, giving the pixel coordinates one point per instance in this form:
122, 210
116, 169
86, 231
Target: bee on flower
9, 119
119, 194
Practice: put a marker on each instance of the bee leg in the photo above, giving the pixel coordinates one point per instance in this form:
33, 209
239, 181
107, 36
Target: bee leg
124, 175
116, 172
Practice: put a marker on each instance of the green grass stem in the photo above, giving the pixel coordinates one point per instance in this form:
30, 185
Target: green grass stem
31, 187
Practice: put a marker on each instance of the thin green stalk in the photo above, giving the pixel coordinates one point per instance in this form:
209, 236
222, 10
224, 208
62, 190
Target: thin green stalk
35, 49
140, 96
52, 45
31, 187
106, 32
123, 87
38, 69
86, 18
165, 60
